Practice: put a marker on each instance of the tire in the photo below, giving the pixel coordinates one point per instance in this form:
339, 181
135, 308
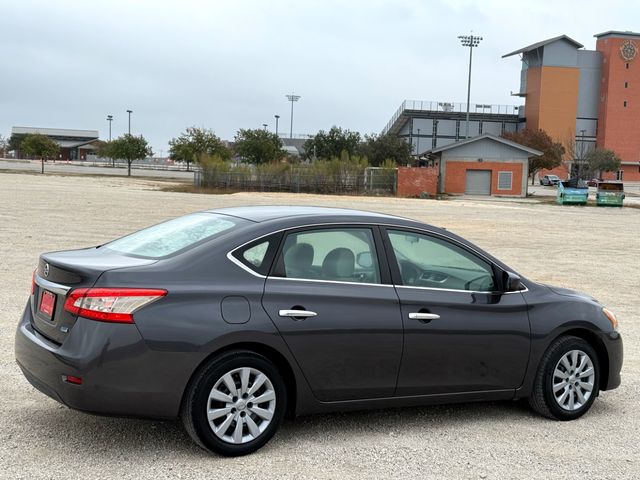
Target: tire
572, 399
211, 390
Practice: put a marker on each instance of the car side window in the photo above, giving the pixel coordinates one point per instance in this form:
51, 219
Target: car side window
345, 255
258, 256
426, 261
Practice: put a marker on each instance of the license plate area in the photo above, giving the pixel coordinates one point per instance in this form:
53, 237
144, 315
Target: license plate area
47, 304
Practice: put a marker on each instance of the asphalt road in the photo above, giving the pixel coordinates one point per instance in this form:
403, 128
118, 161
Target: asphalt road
590, 249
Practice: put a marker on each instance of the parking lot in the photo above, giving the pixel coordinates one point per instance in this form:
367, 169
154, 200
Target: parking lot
586, 248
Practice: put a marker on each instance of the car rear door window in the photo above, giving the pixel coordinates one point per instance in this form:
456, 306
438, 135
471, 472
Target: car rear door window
341, 254
428, 261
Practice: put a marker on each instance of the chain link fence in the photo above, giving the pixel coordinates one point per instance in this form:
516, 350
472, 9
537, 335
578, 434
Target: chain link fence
371, 181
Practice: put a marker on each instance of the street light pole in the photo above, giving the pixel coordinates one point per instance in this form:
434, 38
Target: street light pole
129, 112
109, 119
277, 118
469, 41
292, 98
264, 125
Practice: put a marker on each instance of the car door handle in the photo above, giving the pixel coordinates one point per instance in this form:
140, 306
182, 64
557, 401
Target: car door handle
423, 316
297, 313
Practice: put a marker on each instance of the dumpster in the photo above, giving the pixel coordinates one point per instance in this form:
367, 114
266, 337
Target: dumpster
572, 192
610, 193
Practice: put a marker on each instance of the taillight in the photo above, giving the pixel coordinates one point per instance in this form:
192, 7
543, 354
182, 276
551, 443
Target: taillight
110, 304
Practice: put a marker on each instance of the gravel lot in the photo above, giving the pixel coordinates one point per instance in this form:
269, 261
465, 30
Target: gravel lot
587, 248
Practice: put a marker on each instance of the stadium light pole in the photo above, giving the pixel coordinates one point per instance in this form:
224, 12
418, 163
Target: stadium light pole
277, 118
264, 125
129, 112
109, 119
469, 41
292, 98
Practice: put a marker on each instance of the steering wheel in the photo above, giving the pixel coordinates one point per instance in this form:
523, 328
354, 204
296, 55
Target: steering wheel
408, 272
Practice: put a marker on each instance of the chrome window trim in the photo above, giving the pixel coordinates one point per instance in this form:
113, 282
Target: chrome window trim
339, 282
526, 289
52, 287
392, 225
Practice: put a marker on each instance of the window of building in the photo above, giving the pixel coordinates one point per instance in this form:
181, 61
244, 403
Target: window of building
626, 84
627, 66
625, 103
505, 180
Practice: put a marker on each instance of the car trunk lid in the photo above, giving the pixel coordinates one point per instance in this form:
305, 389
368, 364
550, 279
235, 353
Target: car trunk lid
58, 273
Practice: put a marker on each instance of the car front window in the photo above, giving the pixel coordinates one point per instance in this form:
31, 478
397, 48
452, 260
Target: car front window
426, 261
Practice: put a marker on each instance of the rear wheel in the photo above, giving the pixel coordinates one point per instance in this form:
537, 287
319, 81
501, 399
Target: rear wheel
567, 380
235, 404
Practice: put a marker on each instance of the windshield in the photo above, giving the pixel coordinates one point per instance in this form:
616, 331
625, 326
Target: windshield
175, 235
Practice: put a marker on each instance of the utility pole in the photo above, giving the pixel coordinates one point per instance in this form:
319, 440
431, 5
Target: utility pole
292, 98
470, 41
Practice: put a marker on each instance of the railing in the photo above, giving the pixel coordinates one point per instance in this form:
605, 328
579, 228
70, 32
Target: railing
450, 107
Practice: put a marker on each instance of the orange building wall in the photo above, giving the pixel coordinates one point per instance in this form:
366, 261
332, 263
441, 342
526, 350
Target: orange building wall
552, 101
619, 126
552, 105
412, 182
456, 175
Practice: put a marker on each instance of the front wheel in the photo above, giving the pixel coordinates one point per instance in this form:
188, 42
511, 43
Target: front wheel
235, 404
567, 380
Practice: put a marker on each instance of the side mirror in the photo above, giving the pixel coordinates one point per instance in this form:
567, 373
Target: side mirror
364, 260
512, 282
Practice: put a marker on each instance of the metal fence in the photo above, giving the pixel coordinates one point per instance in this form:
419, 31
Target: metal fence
369, 182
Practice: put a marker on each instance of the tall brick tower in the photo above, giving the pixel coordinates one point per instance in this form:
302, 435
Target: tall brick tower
619, 103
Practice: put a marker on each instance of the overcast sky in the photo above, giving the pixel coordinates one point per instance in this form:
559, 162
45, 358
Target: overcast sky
227, 65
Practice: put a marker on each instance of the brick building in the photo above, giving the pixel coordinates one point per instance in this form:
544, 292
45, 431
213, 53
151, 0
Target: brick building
585, 99
481, 165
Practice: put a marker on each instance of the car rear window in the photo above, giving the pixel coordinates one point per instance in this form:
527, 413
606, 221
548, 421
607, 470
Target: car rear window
174, 235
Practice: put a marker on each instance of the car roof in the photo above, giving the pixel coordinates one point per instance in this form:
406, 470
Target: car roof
272, 212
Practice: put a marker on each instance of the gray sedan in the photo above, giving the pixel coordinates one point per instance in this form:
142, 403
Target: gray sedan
230, 319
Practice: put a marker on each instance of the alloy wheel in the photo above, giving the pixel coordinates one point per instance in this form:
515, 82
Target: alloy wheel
241, 405
573, 380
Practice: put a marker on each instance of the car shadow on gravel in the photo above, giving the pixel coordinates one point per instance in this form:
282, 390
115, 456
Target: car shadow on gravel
127, 437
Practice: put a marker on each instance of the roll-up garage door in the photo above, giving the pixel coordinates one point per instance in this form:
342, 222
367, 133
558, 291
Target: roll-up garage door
478, 182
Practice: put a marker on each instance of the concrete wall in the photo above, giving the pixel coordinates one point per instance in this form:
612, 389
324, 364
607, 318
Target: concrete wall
561, 53
412, 182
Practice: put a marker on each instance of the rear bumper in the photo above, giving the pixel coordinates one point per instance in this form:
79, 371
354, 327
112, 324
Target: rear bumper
120, 375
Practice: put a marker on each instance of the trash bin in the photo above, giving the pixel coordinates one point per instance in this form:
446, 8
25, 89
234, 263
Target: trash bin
572, 192
610, 193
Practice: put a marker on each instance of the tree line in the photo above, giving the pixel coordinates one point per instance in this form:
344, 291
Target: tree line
259, 146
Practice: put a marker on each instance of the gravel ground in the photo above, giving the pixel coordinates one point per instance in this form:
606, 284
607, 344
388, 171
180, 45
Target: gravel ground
590, 249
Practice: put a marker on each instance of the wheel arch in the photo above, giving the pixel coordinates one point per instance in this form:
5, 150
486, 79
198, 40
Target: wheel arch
266, 351
594, 341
